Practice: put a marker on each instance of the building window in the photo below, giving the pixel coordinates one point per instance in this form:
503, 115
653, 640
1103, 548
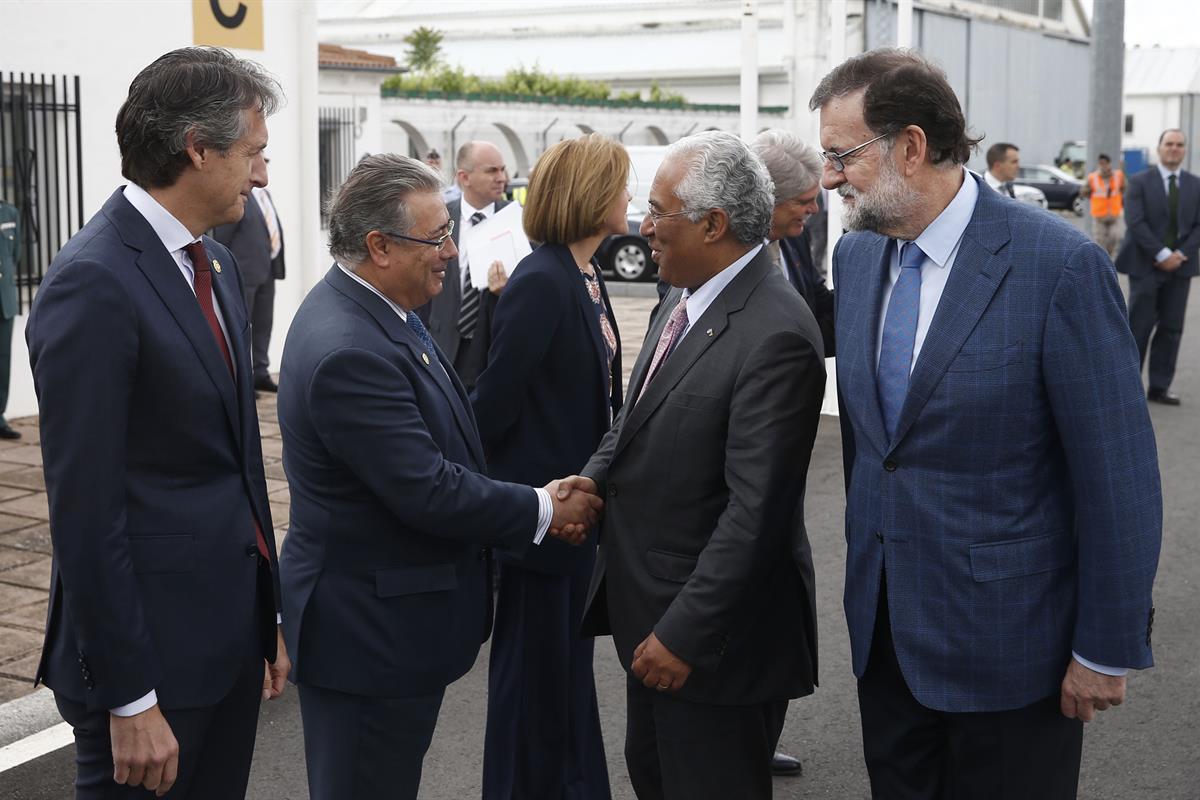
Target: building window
41, 169
336, 149
1129, 123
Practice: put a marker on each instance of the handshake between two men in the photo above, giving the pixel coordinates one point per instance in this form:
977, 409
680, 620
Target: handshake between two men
577, 507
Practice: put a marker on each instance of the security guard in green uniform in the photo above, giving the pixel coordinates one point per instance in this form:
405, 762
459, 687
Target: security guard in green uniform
10, 251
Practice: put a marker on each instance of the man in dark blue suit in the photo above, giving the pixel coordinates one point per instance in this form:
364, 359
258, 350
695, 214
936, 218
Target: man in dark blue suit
1003, 509
164, 590
386, 569
1161, 255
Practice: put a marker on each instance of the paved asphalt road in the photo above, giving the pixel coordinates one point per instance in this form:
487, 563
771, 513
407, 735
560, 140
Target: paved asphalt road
1146, 750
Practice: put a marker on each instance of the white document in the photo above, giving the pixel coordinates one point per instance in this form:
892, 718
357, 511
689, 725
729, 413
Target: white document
500, 237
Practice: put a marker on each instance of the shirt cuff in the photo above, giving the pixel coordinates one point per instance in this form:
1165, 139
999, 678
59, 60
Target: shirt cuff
137, 706
279, 619
545, 514
1116, 672
1162, 255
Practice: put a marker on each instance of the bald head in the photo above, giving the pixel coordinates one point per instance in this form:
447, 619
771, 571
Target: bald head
481, 173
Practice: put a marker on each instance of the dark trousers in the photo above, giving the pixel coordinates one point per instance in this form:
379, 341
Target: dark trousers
679, 750
6, 332
916, 753
1157, 306
260, 307
216, 744
543, 737
365, 748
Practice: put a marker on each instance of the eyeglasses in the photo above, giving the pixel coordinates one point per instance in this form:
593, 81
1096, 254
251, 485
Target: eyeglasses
436, 244
836, 161
655, 216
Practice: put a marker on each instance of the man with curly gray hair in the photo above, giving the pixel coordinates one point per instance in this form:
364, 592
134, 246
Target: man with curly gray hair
704, 576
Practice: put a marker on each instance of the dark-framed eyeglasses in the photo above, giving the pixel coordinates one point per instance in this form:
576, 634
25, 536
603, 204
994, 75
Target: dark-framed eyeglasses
836, 161
436, 244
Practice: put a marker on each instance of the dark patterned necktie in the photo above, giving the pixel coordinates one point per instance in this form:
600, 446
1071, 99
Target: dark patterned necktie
202, 270
900, 336
468, 312
1172, 212
418, 327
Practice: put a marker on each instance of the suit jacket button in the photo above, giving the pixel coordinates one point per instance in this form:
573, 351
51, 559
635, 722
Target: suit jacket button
889, 465
252, 550
879, 537
612, 491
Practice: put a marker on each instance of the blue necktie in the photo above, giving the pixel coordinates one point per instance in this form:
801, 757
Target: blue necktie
899, 336
414, 322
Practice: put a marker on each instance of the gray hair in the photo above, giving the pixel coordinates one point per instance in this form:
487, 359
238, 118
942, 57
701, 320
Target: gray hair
373, 198
723, 172
795, 165
198, 90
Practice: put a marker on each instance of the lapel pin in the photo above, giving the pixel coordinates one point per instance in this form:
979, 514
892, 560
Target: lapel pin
217, 266
709, 332
425, 358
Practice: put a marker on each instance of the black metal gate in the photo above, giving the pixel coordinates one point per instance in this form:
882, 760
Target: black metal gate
41, 168
336, 148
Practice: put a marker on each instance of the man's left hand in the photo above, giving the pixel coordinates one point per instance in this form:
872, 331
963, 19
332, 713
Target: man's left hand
275, 676
1085, 691
657, 667
497, 277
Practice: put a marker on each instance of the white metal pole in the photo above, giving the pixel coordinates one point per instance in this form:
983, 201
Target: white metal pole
791, 61
749, 94
837, 54
904, 21
314, 258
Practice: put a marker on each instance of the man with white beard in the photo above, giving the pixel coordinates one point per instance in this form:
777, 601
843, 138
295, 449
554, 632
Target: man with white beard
1003, 510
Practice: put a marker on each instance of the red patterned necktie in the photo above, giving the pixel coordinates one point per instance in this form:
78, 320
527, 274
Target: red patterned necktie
202, 271
676, 324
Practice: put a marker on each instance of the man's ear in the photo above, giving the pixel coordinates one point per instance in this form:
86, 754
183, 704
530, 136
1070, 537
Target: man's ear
377, 248
716, 225
197, 152
914, 146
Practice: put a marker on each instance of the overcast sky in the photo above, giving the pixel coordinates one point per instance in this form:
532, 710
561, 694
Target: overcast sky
1167, 23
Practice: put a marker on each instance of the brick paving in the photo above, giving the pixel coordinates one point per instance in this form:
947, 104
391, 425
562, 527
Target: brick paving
25, 531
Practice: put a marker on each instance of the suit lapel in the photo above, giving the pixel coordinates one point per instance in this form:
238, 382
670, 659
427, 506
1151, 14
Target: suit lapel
974, 278
163, 274
857, 378
400, 333
707, 330
584, 305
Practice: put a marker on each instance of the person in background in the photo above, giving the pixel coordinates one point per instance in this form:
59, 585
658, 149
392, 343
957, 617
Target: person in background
1161, 255
1106, 188
548, 395
1003, 166
10, 253
795, 168
256, 241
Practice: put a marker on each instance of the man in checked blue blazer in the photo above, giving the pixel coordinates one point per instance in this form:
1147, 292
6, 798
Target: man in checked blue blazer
1003, 509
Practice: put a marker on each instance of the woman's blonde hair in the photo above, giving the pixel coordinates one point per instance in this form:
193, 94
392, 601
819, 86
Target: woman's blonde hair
573, 186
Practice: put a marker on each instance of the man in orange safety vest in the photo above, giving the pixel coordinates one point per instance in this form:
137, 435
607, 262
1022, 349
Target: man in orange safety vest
1106, 188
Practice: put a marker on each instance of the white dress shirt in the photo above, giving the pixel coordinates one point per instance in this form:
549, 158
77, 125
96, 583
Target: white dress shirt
1165, 253
940, 242
545, 506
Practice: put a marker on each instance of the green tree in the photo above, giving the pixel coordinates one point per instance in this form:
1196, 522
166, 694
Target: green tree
424, 49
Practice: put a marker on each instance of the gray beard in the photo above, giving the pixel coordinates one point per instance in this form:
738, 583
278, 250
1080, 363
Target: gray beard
884, 207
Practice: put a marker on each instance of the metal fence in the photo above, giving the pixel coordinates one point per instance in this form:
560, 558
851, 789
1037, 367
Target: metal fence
41, 168
336, 148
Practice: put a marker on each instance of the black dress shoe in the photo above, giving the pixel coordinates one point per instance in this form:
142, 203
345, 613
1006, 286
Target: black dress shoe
266, 384
7, 432
1163, 396
783, 764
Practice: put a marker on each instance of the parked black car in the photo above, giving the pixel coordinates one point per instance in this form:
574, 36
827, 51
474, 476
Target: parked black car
1061, 189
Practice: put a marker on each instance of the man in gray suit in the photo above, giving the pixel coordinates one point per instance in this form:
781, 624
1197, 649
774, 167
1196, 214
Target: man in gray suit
1160, 256
704, 574
460, 318
256, 241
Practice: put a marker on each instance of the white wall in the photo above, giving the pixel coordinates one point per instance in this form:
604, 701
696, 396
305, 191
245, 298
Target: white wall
1152, 114
107, 44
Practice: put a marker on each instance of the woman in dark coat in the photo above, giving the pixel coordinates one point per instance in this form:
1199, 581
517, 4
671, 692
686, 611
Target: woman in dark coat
546, 398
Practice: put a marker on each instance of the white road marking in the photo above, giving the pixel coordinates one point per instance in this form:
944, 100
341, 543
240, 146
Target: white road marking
35, 746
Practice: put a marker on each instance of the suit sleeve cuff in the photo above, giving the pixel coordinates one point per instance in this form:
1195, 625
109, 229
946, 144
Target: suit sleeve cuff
278, 619
137, 706
1116, 672
1162, 255
545, 515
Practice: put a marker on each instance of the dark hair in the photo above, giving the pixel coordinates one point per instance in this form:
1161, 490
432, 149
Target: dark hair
902, 89
1163, 135
998, 152
200, 90
433, 154
1103, 157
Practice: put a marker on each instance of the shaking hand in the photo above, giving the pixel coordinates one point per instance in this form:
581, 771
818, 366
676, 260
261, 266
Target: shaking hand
576, 508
